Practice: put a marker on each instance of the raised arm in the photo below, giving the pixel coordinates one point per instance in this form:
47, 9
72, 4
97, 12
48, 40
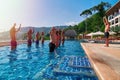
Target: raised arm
105, 21
18, 28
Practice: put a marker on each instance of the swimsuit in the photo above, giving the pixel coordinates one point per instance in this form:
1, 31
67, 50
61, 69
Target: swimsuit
51, 47
29, 42
37, 42
106, 34
13, 43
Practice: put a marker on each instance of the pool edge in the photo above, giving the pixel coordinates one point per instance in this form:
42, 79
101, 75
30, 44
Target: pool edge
99, 67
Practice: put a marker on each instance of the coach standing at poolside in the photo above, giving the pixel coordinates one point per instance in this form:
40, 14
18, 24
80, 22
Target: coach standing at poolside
107, 28
13, 32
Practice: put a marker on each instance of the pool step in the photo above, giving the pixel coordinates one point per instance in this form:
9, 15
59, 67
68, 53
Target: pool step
74, 65
75, 61
80, 66
79, 62
68, 66
59, 72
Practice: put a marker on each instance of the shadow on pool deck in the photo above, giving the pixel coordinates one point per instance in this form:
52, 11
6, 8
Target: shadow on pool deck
104, 60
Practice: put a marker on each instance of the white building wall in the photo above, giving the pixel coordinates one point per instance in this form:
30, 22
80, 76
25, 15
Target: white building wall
114, 16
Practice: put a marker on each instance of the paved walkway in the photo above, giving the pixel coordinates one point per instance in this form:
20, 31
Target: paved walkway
104, 60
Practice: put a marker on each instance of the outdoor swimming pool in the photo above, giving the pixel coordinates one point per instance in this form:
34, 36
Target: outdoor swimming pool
69, 62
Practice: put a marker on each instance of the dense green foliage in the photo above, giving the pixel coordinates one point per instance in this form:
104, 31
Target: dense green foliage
116, 30
94, 19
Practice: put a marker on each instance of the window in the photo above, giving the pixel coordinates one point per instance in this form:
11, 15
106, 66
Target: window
110, 17
116, 20
112, 22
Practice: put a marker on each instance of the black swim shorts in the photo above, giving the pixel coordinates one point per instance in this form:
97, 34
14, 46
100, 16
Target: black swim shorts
37, 42
106, 34
29, 43
51, 47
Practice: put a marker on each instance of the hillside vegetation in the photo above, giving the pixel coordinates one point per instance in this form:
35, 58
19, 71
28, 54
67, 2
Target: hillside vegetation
93, 19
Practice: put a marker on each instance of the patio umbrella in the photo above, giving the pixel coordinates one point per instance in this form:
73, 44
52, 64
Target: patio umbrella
98, 33
112, 33
80, 34
90, 34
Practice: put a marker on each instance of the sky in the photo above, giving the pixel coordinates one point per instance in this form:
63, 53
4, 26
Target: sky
43, 13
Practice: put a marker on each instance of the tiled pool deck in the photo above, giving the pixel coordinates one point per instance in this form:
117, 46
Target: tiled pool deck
104, 60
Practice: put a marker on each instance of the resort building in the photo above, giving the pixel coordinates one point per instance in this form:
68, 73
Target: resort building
113, 15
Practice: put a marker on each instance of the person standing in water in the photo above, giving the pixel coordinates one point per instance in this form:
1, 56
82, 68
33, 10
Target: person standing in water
52, 40
107, 28
13, 32
29, 37
63, 37
57, 39
37, 39
42, 38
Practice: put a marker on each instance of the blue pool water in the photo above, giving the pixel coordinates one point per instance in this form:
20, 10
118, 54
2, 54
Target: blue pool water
69, 62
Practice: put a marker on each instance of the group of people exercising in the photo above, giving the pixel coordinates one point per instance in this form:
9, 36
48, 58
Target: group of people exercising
38, 37
56, 38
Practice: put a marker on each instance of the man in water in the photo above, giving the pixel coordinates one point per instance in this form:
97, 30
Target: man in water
52, 40
29, 37
107, 28
63, 37
13, 32
42, 38
57, 38
37, 39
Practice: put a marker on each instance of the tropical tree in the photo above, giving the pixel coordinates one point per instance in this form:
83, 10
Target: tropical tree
94, 19
100, 12
86, 13
100, 8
